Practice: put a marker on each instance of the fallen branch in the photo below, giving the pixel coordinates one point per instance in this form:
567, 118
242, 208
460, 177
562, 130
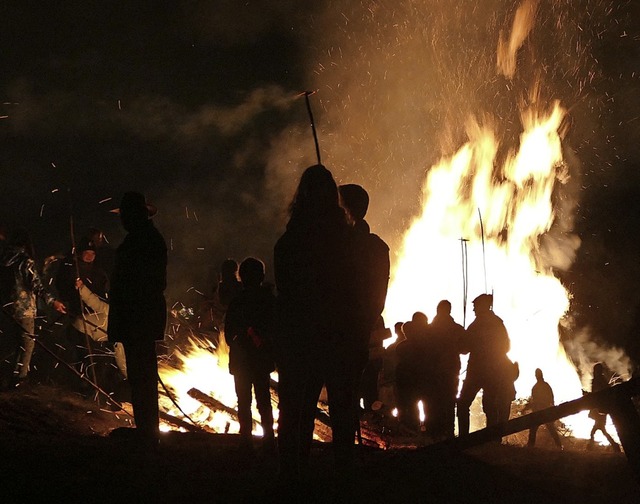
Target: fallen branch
215, 405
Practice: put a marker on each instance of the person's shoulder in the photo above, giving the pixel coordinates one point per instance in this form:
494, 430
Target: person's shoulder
266, 291
474, 324
239, 299
494, 320
286, 239
378, 242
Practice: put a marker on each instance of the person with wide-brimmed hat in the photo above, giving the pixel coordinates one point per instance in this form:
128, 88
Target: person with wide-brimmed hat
137, 314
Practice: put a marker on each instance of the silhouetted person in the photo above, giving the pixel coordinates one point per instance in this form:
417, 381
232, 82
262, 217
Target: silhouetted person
497, 399
600, 382
20, 286
228, 287
105, 254
137, 308
315, 274
373, 261
487, 343
98, 324
80, 263
446, 342
542, 398
391, 361
410, 370
249, 327
370, 376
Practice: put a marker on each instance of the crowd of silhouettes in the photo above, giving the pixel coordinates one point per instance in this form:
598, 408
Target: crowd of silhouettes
321, 328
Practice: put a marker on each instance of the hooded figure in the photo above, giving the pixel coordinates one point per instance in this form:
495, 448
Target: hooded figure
137, 314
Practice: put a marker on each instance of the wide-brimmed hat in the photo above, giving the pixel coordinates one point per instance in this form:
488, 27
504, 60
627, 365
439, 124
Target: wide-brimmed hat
132, 201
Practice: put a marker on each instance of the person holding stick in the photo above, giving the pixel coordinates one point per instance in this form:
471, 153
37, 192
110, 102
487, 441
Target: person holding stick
80, 264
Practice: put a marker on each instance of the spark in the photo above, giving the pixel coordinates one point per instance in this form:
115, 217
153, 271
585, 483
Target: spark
104, 201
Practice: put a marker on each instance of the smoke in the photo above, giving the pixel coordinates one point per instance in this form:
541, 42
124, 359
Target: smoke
398, 81
193, 104
585, 350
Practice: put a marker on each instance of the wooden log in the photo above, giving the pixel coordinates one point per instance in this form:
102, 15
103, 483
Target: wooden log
614, 400
603, 399
177, 422
215, 405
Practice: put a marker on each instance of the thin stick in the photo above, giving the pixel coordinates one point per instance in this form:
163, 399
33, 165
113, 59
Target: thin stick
82, 306
465, 279
80, 375
313, 124
484, 259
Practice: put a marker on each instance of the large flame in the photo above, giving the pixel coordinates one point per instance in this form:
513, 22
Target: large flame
480, 231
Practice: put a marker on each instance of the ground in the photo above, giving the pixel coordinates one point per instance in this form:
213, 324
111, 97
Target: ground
58, 447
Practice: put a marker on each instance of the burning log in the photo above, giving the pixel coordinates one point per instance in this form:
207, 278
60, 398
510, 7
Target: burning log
215, 405
176, 422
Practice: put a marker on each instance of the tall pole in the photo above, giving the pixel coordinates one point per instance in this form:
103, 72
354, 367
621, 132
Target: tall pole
465, 279
82, 306
484, 257
313, 124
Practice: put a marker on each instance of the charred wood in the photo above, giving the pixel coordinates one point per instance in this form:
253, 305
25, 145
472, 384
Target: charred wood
215, 405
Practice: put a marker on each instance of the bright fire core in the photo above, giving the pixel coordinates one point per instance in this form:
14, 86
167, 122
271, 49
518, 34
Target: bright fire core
481, 230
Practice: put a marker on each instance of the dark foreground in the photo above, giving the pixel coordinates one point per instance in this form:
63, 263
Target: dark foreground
56, 448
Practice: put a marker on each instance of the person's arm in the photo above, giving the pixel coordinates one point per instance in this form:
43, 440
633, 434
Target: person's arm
91, 299
232, 324
33, 278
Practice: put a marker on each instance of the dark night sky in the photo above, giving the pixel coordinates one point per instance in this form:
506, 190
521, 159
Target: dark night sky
192, 102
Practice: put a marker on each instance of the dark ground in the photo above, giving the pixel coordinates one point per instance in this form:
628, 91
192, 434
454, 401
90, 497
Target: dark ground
56, 447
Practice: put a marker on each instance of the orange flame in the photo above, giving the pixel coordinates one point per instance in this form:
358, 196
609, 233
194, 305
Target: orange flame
514, 205
203, 366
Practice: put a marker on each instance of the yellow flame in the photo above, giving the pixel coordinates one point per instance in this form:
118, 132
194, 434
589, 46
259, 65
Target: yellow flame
203, 366
501, 213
